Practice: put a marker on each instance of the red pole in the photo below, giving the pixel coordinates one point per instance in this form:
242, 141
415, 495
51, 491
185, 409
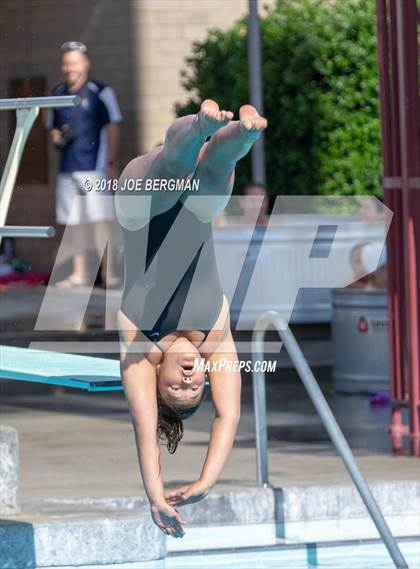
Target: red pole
400, 112
406, 13
390, 151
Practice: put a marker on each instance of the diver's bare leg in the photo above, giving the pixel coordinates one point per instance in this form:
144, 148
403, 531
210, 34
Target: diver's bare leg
216, 167
174, 160
184, 139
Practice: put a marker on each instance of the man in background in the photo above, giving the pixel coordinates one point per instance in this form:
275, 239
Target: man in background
87, 138
371, 209
254, 199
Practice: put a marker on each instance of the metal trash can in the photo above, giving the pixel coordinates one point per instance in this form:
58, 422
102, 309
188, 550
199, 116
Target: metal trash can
359, 329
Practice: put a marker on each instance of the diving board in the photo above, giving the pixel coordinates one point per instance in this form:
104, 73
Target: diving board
57, 368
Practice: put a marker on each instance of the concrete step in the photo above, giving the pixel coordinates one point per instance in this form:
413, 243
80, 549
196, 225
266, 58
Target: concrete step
120, 530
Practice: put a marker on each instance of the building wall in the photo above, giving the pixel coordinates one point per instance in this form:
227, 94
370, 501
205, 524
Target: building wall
166, 30
31, 32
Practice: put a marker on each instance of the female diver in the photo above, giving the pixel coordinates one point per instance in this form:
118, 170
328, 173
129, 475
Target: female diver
173, 313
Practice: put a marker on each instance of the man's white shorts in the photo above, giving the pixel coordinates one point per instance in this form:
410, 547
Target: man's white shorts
80, 198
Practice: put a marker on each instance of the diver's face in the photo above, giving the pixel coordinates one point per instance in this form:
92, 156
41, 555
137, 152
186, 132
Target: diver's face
178, 383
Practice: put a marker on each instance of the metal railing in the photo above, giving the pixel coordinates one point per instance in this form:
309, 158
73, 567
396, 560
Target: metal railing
27, 110
39, 102
326, 415
27, 231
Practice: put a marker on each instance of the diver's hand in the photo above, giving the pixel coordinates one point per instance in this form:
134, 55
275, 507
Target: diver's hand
189, 494
168, 519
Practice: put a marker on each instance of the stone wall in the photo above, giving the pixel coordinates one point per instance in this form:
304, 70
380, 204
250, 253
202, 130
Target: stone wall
9, 470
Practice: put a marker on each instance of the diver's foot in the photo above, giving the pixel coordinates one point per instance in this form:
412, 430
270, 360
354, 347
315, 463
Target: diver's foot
235, 140
251, 123
211, 118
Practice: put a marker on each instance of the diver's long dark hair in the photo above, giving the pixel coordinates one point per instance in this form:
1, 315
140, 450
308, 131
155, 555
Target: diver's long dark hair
169, 424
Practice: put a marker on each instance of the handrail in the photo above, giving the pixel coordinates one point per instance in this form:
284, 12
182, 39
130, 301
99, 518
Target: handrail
326, 415
27, 110
27, 231
39, 102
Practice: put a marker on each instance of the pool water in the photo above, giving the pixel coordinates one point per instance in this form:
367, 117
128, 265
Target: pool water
359, 555
354, 556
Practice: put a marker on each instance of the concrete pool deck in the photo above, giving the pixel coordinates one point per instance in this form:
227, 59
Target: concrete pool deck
90, 434
82, 502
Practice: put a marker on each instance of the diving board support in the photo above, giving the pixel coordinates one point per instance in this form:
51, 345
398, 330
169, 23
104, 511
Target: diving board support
27, 110
326, 415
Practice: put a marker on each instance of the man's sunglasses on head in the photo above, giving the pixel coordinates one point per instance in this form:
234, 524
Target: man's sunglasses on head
74, 45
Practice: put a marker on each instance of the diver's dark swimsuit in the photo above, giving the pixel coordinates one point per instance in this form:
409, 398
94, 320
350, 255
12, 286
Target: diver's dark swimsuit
205, 297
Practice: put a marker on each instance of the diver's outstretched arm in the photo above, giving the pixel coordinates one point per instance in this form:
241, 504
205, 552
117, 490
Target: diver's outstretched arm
226, 395
138, 377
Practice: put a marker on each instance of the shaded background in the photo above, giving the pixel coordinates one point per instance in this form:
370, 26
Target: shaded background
137, 47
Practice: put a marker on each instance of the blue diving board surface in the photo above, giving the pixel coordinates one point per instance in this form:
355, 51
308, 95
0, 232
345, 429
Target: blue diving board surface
57, 368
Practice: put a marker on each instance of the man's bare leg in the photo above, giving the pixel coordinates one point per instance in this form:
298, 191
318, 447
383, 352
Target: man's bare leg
80, 239
105, 233
216, 167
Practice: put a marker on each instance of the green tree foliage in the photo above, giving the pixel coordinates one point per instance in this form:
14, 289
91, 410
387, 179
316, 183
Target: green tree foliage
321, 93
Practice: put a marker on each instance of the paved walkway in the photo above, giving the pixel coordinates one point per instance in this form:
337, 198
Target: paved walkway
81, 445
